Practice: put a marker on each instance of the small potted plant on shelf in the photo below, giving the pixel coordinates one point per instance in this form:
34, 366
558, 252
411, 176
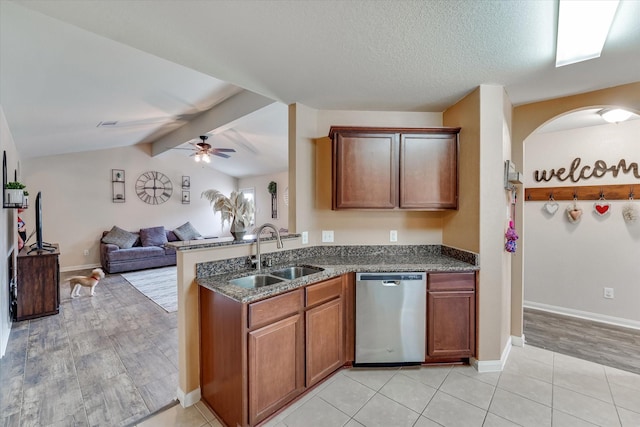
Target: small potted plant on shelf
25, 198
235, 209
14, 193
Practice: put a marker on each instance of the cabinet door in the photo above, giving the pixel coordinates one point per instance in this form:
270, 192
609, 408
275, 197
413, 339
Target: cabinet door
276, 366
365, 171
428, 171
38, 290
451, 324
324, 342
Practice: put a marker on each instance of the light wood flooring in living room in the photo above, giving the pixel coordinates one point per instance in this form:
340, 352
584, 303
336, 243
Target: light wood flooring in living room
107, 360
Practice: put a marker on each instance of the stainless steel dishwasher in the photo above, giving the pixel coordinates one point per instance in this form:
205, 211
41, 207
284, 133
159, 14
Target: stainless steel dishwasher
390, 318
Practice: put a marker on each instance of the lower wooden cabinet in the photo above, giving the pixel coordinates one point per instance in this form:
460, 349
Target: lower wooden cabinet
324, 340
451, 315
276, 366
38, 290
256, 358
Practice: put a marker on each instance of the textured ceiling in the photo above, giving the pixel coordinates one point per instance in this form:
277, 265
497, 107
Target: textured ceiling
361, 55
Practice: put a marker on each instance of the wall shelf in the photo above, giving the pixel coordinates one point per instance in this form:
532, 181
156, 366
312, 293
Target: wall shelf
590, 192
117, 186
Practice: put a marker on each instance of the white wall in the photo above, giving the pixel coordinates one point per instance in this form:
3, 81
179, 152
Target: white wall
8, 236
567, 265
77, 205
263, 198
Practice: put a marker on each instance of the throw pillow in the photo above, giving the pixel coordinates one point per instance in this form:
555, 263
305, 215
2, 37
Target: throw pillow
153, 236
119, 237
187, 232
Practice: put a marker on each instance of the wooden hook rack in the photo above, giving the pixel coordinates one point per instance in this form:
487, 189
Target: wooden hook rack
591, 192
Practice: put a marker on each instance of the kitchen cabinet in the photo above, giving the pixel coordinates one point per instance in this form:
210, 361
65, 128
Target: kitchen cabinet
276, 373
275, 353
394, 168
257, 357
324, 330
451, 315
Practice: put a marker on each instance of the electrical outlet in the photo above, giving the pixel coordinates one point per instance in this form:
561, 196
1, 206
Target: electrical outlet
327, 236
608, 293
393, 236
86, 252
305, 237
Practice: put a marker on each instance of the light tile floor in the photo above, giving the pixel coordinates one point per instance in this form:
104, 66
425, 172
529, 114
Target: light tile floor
536, 388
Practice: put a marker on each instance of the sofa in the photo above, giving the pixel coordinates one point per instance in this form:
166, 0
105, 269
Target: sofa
122, 250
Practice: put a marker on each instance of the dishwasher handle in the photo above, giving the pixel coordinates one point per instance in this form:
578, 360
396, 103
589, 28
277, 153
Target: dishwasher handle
390, 283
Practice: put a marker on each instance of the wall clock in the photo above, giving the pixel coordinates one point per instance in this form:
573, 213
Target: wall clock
154, 187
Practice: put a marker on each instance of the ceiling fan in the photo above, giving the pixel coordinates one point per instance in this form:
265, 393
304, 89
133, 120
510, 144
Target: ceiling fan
203, 150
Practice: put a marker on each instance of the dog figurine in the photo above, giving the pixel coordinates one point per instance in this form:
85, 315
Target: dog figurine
76, 282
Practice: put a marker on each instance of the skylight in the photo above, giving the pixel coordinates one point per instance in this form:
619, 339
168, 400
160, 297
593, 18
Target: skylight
583, 26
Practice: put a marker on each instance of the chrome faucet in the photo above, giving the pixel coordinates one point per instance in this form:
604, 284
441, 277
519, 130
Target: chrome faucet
259, 232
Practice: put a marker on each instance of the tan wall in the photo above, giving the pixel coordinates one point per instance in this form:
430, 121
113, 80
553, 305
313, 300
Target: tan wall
461, 229
480, 222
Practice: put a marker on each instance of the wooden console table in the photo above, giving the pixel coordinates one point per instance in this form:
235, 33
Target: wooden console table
38, 280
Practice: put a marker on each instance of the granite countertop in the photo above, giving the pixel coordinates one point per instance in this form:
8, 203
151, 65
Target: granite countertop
333, 266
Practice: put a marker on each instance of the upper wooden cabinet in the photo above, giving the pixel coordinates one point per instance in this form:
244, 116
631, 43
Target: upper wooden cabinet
389, 168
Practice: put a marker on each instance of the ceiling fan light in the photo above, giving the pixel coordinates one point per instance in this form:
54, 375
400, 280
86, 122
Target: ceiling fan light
206, 158
615, 115
197, 158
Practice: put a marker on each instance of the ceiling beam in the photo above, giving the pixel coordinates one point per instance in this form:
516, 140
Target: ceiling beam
231, 109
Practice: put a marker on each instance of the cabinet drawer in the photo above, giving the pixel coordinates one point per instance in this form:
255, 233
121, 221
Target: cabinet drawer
324, 291
451, 281
263, 312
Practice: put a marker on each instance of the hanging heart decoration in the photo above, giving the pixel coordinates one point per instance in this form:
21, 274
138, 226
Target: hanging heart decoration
630, 213
602, 208
574, 213
551, 207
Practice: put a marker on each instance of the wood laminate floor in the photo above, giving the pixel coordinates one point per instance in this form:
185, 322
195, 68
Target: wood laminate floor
597, 342
107, 360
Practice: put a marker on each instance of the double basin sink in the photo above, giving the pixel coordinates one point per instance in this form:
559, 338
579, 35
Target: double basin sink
275, 277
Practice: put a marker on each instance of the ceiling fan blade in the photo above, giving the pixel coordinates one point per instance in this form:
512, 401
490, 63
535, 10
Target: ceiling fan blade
226, 156
224, 150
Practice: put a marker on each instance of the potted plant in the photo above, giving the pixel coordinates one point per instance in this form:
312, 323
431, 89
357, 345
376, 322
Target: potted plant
25, 198
14, 192
234, 209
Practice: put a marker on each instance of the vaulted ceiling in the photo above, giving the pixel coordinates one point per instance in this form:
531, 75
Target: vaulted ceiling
151, 66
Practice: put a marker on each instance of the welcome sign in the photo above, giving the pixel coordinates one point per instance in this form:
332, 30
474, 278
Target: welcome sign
576, 172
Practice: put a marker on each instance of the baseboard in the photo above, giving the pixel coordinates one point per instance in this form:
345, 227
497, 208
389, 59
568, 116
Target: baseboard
517, 341
617, 321
189, 399
78, 267
483, 366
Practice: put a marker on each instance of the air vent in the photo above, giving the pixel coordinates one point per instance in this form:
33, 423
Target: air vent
107, 123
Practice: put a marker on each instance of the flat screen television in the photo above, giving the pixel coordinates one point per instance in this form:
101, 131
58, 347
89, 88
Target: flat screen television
40, 244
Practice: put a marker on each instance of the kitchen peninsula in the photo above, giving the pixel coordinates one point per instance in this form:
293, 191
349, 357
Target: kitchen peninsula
301, 330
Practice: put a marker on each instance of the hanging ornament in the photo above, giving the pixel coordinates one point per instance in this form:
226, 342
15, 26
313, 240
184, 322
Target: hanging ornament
630, 210
551, 207
511, 235
574, 212
602, 207
630, 213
